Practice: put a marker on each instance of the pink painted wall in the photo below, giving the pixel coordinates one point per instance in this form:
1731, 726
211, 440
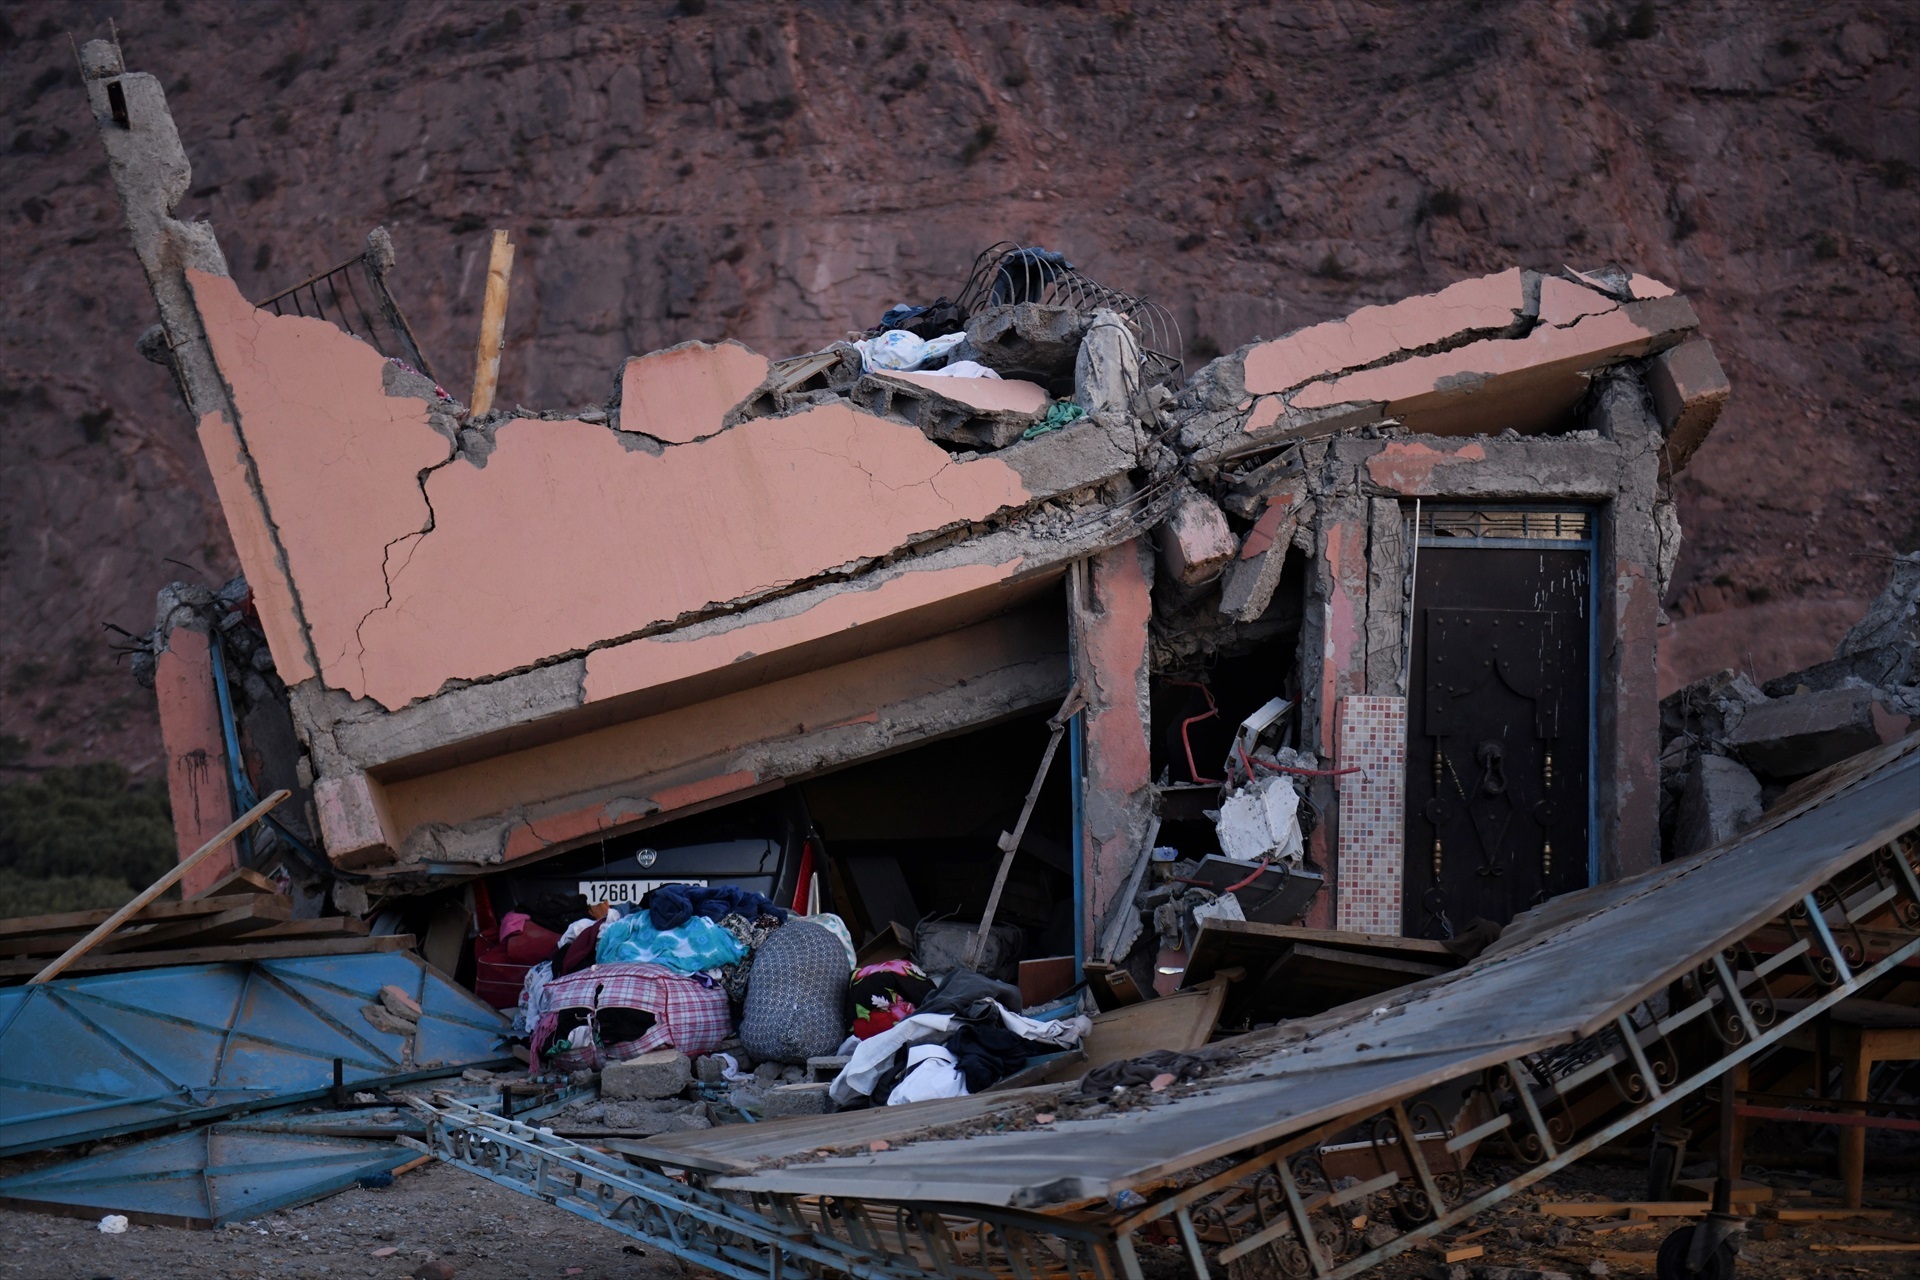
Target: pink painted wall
409, 570
1118, 766
659, 660
196, 754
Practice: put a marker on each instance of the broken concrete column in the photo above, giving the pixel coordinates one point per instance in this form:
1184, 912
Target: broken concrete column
1111, 625
1027, 340
1689, 389
1386, 597
1246, 589
1106, 373
660, 1074
195, 745
1721, 799
1792, 737
1195, 542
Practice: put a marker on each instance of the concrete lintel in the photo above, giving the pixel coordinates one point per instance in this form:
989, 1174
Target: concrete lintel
550, 798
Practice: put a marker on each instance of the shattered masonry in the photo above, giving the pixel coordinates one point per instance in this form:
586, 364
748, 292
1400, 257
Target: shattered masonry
501, 638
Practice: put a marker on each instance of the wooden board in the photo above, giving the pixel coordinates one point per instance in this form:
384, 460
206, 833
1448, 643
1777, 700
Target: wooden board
240, 880
1295, 972
284, 950
78, 922
1044, 980
1181, 1022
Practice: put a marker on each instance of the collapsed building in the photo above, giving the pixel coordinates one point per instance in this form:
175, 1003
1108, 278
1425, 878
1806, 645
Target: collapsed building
1351, 629
510, 637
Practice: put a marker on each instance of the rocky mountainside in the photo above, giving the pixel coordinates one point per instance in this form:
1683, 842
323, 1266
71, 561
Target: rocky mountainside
782, 172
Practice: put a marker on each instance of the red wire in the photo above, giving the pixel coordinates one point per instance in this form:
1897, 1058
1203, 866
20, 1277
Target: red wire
1250, 762
1212, 710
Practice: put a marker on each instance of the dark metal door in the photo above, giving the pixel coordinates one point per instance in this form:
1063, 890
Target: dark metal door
1498, 729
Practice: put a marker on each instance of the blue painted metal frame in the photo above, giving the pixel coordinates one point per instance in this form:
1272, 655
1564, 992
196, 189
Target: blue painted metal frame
240, 787
89, 1057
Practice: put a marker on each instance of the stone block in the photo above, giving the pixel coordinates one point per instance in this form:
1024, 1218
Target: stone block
660, 1074
708, 1069
645, 1119
1195, 542
1792, 737
795, 1100
1689, 389
1721, 799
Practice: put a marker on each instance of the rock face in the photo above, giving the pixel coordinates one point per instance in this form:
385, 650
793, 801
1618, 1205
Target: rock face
780, 175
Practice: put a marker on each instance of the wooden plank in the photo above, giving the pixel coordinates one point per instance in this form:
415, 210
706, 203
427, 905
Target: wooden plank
742, 1148
1614, 1208
1181, 1022
447, 934
1823, 1215
80, 921
254, 913
323, 927
493, 326
290, 949
240, 880
1460, 1253
204, 931
158, 887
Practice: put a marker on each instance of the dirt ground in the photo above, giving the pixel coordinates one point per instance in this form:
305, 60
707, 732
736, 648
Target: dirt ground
485, 1232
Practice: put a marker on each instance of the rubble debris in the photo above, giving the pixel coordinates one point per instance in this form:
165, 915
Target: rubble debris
663, 1073
1802, 733
1720, 799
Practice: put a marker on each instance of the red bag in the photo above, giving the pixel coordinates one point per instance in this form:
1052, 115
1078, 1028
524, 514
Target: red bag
500, 966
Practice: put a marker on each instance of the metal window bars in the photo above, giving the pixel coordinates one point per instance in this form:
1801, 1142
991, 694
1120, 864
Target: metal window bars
335, 295
1506, 523
1289, 1206
1007, 273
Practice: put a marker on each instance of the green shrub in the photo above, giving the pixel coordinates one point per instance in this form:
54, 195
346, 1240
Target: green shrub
87, 821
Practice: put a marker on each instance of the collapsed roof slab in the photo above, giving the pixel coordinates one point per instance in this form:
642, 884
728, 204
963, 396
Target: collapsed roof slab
1512, 350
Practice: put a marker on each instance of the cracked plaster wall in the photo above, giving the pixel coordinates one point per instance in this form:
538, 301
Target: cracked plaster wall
414, 567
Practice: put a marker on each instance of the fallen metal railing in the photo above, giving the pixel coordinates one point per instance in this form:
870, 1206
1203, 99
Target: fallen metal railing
334, 296
1274, 1205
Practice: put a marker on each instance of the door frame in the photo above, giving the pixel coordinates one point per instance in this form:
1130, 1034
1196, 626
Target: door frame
1588, 540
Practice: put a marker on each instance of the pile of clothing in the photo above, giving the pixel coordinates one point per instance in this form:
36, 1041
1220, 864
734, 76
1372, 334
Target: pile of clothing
914, 1040
621, 981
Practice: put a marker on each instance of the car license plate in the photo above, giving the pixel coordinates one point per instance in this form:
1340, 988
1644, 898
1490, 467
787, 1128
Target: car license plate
625, 892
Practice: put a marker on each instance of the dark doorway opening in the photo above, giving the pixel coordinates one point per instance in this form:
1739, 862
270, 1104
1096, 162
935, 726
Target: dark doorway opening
1500, 716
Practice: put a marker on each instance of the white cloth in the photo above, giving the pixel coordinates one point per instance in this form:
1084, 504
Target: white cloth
932, 1072
870, 1060
963, 369
533, 997
900, 351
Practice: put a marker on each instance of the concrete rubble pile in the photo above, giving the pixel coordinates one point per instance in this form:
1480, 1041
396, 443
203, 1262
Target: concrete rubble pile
1730, 748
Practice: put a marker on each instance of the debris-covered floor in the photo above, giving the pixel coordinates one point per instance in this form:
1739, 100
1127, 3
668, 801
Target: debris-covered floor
484, 1232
